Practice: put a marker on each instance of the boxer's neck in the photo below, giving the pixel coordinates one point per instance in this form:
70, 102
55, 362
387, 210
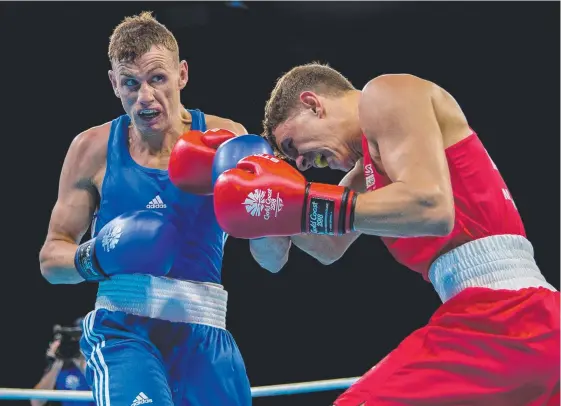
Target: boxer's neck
350, 107
355, 146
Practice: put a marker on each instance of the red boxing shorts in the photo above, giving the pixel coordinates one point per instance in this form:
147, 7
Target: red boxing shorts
482, 347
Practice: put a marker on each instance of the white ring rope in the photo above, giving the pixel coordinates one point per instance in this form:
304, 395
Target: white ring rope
260, 391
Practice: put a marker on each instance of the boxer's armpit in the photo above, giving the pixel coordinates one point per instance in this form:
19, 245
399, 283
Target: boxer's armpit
271, 253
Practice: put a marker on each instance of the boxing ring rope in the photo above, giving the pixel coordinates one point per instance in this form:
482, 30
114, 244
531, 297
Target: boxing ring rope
259, 391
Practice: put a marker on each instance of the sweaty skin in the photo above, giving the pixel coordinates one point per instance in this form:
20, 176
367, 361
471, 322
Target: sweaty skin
408, 123
153, 81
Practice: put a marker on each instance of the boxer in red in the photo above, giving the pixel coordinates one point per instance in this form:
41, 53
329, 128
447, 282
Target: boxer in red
420, 178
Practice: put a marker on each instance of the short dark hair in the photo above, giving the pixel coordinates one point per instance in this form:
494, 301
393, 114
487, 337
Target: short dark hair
135, 35
317, 77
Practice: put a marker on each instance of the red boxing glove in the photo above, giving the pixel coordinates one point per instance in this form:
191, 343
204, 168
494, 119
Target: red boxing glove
190, 162
266, 197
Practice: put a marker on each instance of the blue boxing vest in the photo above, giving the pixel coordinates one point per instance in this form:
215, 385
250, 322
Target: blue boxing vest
127, 186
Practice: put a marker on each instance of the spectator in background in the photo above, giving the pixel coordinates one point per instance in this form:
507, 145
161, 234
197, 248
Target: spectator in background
66, 365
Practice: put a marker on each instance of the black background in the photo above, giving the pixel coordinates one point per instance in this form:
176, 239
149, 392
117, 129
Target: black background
499, 60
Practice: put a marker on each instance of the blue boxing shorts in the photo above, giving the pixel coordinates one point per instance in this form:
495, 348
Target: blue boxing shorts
162, 341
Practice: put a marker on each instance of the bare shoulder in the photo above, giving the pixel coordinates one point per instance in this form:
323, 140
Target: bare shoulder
390, 103
88, 151
395, 89
225, 123
398, 81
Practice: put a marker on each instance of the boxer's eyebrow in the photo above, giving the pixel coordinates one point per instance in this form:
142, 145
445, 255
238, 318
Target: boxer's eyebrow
157, 66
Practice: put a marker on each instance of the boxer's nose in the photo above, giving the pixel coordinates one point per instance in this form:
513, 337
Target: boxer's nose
303, 163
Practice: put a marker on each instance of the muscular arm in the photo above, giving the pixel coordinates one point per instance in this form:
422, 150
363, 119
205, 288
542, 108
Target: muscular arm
73, 210
396, 113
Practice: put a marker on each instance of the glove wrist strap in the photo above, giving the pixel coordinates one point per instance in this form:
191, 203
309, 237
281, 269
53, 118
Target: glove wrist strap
328, 209
351, 213
86, 263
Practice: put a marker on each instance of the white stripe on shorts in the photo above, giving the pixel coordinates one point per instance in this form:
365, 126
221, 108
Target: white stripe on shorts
101, 373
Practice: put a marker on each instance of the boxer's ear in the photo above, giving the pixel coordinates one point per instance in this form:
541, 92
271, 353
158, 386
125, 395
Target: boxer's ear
183, 74
312, 102
113, 81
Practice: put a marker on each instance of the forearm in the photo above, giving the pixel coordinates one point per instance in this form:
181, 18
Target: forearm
57, 262
48, 381
271, 253
326, 249
400, 211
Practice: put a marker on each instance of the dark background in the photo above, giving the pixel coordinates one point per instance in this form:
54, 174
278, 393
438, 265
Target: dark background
499, 60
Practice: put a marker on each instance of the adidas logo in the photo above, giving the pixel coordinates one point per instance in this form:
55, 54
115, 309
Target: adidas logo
156, 203
141, 399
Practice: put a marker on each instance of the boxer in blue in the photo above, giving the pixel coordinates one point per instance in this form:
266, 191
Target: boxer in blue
143, 182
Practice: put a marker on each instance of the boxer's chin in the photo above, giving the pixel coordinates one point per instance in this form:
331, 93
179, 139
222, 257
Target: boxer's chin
153, 125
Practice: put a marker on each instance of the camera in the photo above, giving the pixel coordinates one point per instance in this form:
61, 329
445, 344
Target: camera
69, 337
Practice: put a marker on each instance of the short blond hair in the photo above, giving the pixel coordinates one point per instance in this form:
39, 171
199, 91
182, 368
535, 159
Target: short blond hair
135, 35
317, 77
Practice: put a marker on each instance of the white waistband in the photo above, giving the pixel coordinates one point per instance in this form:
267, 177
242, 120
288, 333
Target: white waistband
495, 262
165, 299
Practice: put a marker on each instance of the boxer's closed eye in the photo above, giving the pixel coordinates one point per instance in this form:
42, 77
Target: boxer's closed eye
287, 148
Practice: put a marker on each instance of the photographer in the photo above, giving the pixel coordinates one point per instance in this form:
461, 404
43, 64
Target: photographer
65, 365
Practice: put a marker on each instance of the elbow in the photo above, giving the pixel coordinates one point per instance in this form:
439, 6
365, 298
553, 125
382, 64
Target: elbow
443, 224
46, 271
270, 253
329, 258
439, 213
274, 267
49, 276
330, 251
270, 262
49, 270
